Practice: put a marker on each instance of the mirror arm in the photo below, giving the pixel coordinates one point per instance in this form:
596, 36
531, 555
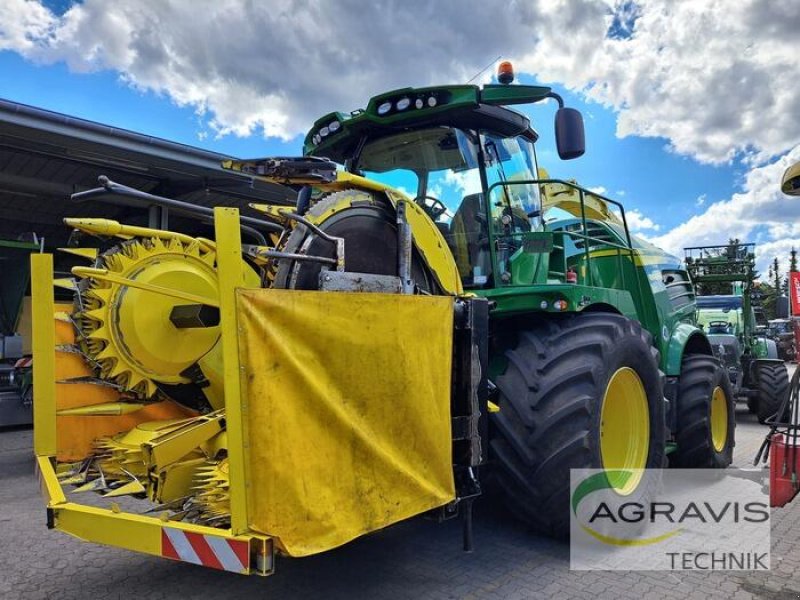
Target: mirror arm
557, 98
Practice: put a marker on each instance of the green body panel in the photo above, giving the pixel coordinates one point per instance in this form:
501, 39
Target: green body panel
760, 348
630, 282
449, 102
706, 316
679, 337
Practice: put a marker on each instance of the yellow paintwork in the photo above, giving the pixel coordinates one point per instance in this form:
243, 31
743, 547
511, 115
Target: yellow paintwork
789, 181
178, 480
105, 409
431, 245
77, 434
130, 531
174, 444
276, 212
353, 412
625, 427
638, 258
719, 419
567, 198
109, 227
89, 254
65, 283
44, 367
133, 296
171, 292
50, 487
229, 258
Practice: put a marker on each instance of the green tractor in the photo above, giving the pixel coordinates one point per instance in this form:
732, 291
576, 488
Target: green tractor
757, 373
595, 358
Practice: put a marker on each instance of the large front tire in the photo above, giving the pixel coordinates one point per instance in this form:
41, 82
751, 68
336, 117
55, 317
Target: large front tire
706, 414
773, 388
570, 381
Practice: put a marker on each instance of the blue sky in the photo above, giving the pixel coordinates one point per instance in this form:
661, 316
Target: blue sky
688, 116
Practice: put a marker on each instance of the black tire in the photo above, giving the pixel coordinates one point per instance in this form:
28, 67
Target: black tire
773, 387
367, 223
752, 405
550, 401
700, 376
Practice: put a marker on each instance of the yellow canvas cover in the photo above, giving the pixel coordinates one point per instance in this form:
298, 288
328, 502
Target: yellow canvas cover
346, 399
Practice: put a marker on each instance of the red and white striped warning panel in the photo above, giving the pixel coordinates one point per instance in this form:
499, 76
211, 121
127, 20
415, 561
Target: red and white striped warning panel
206, 550
23, 362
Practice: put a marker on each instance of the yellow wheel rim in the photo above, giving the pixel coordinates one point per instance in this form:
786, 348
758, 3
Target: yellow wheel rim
719, 419
624, 429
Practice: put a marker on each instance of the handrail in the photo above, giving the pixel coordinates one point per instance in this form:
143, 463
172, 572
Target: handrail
621, 248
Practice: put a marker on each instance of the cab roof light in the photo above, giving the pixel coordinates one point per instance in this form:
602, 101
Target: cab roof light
505, 72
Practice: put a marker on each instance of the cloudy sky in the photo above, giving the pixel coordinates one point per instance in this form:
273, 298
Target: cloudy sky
690, 106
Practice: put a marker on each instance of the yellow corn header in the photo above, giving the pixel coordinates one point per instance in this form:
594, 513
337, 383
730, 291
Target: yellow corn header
328, 414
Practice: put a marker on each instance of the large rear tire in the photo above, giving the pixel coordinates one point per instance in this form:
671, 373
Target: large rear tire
565, 378
706, 414
773, 388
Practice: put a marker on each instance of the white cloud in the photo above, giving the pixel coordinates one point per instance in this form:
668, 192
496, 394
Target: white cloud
637, 222
599, 189
701, 200
23, 25
712, 78
759, 205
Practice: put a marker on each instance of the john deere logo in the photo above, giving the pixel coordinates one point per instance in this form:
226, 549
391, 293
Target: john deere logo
614, 513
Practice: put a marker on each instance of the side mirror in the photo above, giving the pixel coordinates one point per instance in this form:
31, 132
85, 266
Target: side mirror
570, 137
791, 180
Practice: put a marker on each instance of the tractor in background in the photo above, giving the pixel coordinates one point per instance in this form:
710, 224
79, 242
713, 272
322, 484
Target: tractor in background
758, 375
562, 340
781, 331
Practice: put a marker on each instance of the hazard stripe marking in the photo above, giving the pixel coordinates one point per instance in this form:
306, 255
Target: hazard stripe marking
205, 550
230, 560
182, 546
206, 554
167, 549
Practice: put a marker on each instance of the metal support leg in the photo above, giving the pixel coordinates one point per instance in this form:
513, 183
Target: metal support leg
404, 241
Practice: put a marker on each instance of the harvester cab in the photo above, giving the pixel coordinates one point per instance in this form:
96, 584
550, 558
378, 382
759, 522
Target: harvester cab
757, 373
432, 312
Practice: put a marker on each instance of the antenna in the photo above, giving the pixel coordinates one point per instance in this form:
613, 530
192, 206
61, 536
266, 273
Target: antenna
474, 77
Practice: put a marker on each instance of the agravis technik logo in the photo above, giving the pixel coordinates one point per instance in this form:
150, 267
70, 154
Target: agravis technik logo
671, 519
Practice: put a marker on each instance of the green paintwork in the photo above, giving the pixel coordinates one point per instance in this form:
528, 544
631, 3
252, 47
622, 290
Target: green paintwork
449, 99
678, 339
760, 348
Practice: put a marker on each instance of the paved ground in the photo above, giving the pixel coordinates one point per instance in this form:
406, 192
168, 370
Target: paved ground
420, 559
